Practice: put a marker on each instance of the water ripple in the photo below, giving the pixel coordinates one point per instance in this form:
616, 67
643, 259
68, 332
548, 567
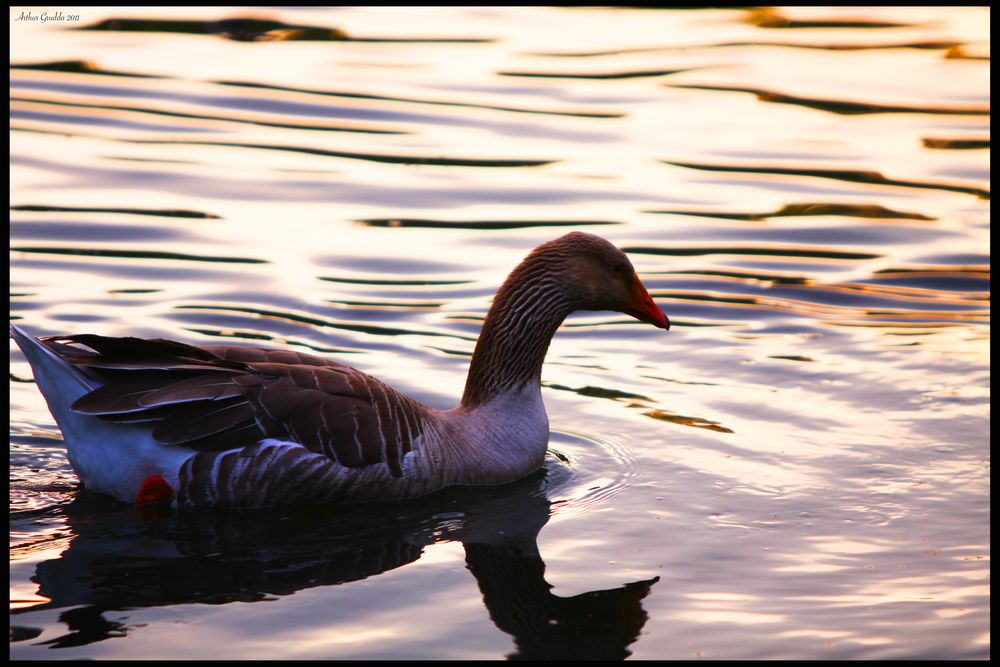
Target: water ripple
847, 107
135, 254
480, 224
850, 175
249, 29
810, 209
167, 213
371, 157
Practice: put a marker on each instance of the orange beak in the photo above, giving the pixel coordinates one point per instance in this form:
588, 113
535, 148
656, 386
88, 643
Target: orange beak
642, 307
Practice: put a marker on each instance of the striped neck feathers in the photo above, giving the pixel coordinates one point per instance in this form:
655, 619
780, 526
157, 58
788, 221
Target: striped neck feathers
527, 310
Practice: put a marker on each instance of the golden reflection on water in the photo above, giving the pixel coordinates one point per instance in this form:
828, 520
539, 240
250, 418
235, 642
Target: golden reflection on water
719, 616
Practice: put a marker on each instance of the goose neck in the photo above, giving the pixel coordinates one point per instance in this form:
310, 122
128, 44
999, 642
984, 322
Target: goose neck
525, 314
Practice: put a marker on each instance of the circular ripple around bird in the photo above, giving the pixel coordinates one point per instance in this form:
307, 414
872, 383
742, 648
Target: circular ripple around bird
586, 471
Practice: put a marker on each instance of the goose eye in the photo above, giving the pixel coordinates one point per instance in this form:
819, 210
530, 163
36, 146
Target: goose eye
625, 273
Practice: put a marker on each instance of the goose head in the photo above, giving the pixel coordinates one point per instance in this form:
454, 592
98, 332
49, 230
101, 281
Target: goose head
577, 271
598, 276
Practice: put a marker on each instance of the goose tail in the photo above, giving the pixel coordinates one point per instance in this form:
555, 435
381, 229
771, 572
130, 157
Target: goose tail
107, 457
60, 382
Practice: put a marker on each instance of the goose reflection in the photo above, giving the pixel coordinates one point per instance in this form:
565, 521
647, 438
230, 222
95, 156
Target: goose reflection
118, 559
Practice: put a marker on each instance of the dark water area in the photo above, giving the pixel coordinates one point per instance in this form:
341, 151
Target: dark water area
798, 469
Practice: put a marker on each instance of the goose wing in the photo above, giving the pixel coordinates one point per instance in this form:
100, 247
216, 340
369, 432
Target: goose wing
221, 397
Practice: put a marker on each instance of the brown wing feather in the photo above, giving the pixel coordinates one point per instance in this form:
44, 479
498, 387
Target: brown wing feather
198, 420
121, 395
198, 388
220, 397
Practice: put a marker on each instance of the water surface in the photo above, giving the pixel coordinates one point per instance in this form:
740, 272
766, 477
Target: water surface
799, 469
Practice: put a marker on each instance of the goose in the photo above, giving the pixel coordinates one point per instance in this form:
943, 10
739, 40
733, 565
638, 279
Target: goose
159, 421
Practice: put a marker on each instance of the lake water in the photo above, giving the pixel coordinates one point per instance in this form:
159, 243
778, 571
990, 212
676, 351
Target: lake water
799, 469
